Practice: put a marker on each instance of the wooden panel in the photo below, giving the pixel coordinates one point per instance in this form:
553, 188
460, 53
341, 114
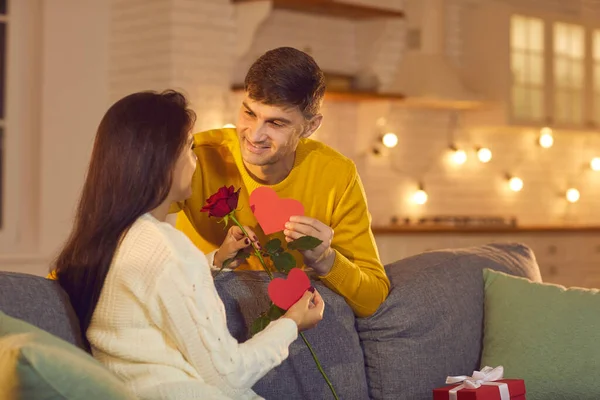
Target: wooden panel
333, 8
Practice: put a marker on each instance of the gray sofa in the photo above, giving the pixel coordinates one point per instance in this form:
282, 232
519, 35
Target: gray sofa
429, 327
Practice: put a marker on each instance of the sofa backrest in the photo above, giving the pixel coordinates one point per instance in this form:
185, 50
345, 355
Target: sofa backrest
335, 342
431, 325
41, 302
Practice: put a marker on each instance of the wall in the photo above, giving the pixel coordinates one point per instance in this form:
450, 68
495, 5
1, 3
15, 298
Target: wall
96, 52
72, 83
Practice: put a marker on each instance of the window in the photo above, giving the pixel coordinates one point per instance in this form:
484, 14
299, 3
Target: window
569, 67
596, 78
527, 67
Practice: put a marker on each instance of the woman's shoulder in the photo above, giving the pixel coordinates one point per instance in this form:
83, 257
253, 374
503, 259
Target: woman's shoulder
150, 247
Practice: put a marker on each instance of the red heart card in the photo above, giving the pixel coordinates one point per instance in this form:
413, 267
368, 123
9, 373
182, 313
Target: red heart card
271, 211
286, 292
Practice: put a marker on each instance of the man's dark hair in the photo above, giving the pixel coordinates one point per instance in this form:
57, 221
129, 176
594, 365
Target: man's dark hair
287, 77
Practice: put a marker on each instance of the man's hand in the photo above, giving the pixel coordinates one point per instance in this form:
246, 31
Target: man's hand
320, 258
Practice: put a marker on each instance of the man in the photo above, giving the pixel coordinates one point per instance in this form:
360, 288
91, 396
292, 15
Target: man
271, 147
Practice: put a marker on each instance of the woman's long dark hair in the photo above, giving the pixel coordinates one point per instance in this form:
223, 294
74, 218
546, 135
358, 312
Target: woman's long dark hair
130, 173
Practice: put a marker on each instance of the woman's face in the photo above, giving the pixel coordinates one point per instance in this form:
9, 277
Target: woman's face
181, 188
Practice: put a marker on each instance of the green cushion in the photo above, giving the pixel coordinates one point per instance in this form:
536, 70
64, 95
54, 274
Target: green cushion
545, 334
37, 365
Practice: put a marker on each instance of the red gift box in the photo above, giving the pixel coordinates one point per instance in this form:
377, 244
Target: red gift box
516, 387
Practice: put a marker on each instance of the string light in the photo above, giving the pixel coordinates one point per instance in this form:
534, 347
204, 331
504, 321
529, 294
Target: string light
546, 139
390, 140
573, 195
459, 156
515, 183
229, 126
420, 197
484, 154
595, 164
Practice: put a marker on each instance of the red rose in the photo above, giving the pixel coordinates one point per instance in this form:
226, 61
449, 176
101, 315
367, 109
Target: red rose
222, 203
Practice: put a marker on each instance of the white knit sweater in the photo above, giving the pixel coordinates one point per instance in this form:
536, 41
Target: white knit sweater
160, 325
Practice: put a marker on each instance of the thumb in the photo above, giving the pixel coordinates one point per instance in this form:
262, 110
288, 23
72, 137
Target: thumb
306, 298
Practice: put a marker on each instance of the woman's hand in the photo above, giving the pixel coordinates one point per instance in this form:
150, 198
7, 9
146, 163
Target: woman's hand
308, 311
234, 242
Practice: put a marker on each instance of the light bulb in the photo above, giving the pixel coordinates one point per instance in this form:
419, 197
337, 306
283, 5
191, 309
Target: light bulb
390, 140
484, 154
420, 197
515, 184
573, 195
459, 156
595, 164
229, 126
546, 139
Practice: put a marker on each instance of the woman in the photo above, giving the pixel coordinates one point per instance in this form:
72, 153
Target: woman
142, 291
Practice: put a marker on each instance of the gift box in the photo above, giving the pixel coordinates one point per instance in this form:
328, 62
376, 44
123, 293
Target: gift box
486, 384
516, 390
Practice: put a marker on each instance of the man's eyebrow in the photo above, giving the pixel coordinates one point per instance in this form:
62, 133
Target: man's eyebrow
247, 107
279, 119
282, 120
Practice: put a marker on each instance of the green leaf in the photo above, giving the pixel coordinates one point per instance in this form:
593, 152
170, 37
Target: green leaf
275, 312
243, 254
226, 220
259, 324
284, 262
273, 246
304, 243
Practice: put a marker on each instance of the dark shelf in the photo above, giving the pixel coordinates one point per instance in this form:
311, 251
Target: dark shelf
333, 8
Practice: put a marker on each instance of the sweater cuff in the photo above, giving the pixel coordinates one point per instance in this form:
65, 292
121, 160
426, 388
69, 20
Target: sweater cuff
340, 269
285, 328
211, 259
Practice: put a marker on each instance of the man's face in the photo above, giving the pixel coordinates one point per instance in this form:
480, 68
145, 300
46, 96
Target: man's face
269, 134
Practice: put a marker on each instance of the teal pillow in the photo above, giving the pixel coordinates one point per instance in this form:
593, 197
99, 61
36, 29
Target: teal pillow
545, 334
37, 365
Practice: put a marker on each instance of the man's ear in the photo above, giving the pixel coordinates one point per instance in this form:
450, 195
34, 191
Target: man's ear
312, 126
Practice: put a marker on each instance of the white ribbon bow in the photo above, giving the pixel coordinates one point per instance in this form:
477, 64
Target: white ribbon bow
486, 376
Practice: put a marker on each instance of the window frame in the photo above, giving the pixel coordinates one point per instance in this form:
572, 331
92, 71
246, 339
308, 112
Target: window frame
20, 180
528, 53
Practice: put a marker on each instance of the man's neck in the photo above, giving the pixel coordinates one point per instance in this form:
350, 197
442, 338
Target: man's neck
271, 174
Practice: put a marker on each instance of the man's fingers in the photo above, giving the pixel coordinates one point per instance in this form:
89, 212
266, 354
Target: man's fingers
304, 220
293, 234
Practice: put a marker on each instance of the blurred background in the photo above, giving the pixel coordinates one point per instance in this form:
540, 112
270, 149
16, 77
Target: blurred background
470, 121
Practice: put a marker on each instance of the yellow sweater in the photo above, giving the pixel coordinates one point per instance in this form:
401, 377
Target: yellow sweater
328, 186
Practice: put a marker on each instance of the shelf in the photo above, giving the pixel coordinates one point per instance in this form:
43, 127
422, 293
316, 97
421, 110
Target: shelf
408, 230
350, 96
332, 8
362, 96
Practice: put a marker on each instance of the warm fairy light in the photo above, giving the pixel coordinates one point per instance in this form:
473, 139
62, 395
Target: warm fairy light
546, 139
595, 164
484, 154
573, 195
459, 156
420, 197
515, 184
390, 140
